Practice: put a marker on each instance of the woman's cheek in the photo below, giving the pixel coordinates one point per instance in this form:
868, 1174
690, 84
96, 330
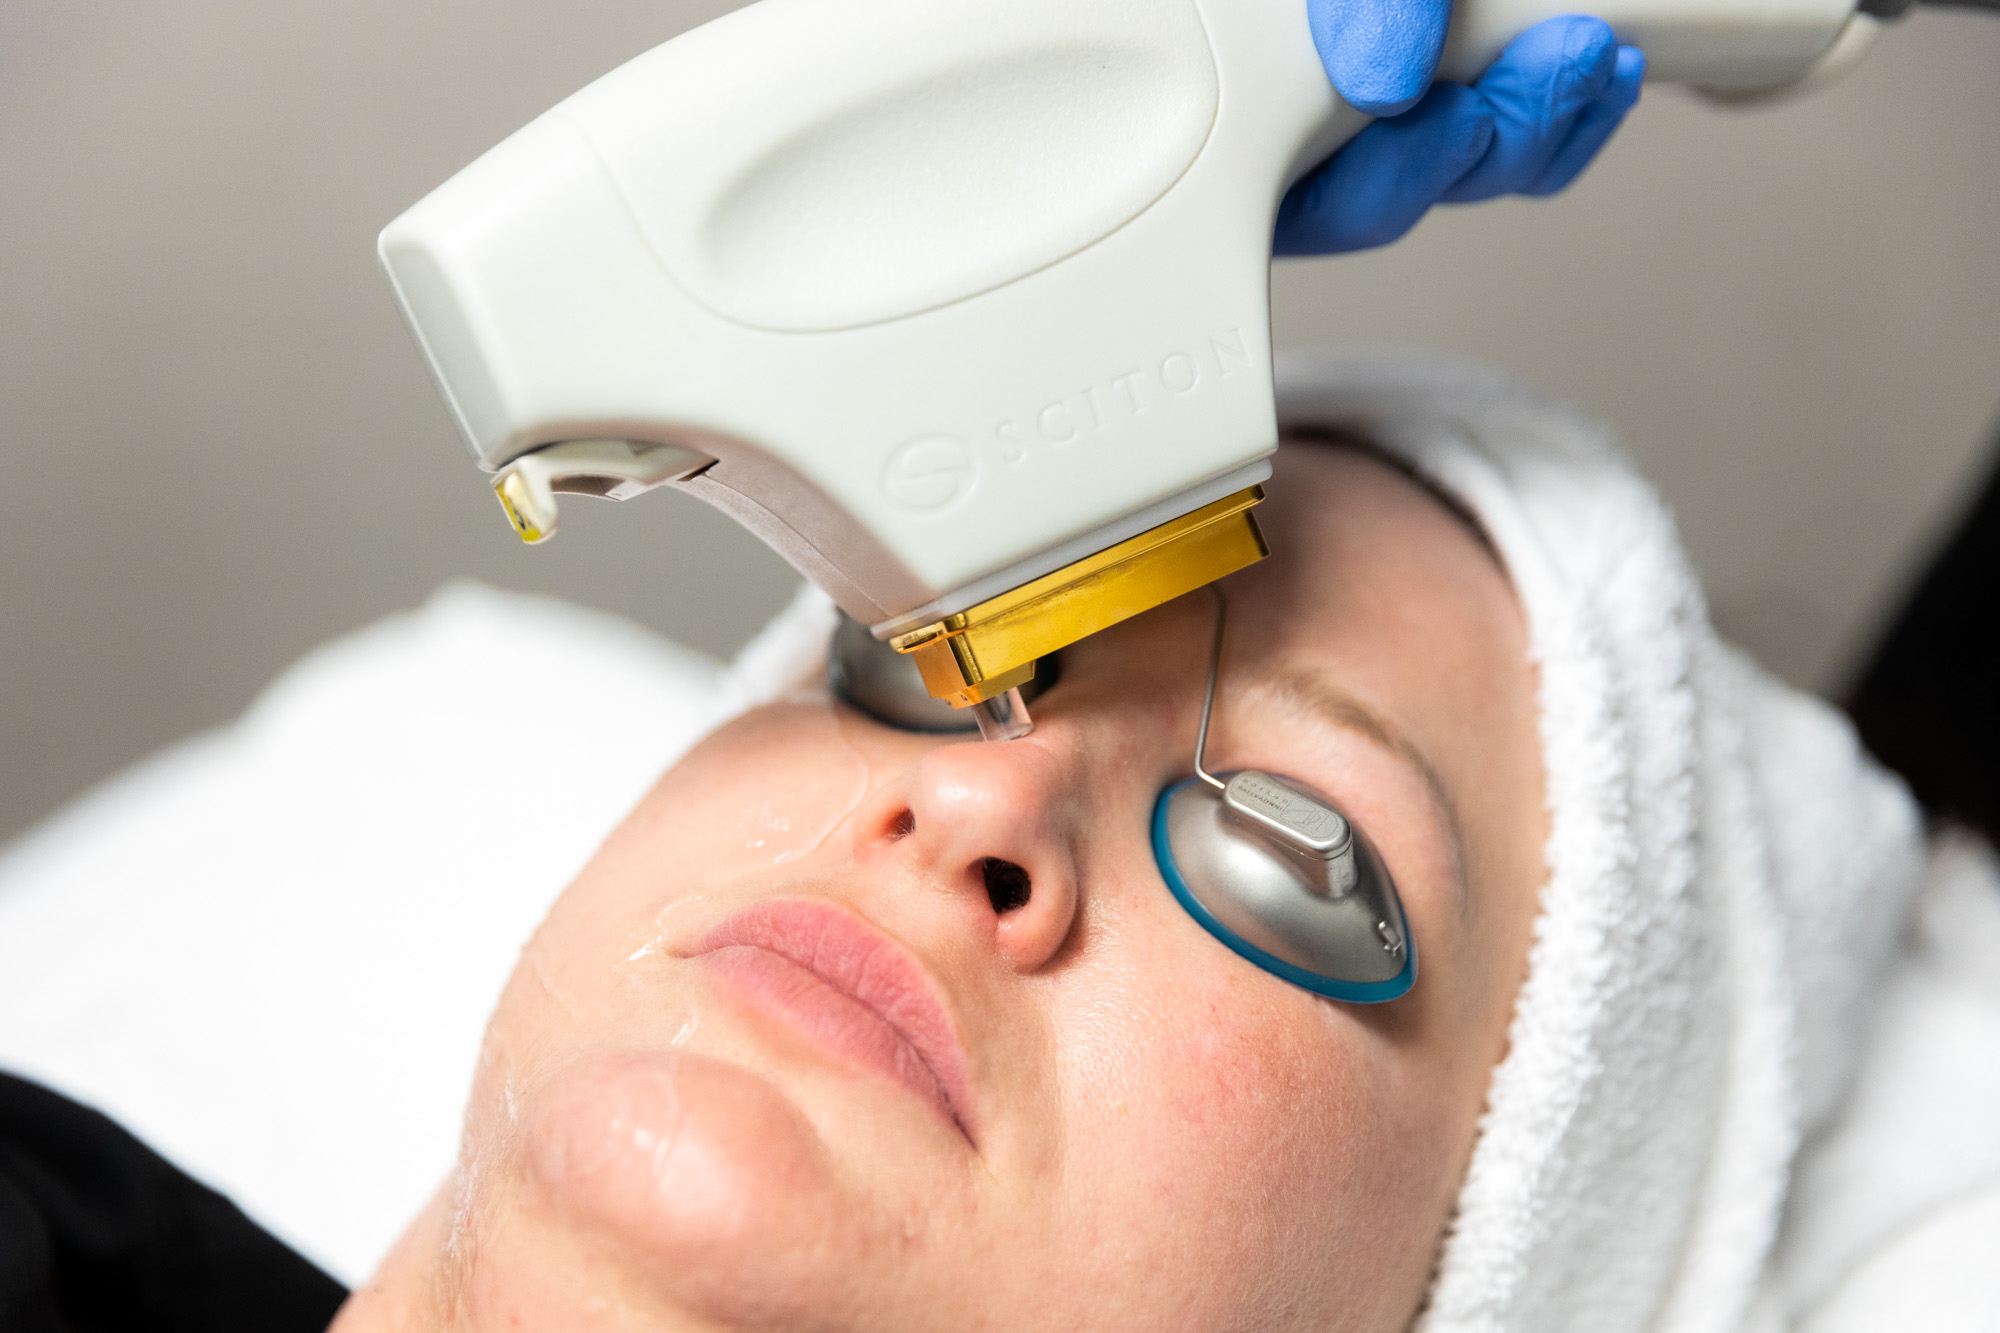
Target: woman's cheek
1228, 1101
767, 789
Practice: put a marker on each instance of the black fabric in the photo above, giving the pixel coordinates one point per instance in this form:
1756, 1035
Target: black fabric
1928, 705
99, 1233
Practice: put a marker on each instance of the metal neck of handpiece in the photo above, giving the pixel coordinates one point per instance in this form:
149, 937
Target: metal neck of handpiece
1208, 696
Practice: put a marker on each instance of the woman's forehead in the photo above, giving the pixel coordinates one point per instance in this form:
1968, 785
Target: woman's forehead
1351, 531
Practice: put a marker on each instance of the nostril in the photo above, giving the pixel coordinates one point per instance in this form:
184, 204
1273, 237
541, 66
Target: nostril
903, 825
1007, 885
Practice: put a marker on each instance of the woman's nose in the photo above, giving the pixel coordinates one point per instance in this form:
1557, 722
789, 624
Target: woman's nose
994, 823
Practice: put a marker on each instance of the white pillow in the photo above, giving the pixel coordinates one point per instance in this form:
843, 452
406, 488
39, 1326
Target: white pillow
270, 951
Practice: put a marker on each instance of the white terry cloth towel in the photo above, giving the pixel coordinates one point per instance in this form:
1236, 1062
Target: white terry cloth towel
1894, 1218
1727, 877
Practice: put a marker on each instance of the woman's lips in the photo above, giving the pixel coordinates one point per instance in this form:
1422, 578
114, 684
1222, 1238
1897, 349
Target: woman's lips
849, 989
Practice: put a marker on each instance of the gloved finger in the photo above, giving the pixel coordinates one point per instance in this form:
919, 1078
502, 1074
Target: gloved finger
1539, 87
1380, 54
1595, 125
1386, 178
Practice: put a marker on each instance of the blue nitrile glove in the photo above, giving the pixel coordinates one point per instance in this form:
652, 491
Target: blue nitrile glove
1529, 126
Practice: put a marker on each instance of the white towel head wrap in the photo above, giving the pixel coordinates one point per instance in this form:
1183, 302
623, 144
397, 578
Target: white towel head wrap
1726, 875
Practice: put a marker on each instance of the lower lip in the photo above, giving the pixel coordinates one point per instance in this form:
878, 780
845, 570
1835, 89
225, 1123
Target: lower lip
836, 1023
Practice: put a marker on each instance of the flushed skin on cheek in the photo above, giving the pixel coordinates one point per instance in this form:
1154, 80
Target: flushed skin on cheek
777, 1060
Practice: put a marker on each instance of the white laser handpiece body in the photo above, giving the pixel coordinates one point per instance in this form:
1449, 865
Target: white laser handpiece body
936, 296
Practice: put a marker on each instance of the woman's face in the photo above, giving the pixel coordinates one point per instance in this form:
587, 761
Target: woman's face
780, 1059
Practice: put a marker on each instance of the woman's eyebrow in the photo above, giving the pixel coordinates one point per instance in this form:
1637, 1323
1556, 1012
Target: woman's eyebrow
1319, 698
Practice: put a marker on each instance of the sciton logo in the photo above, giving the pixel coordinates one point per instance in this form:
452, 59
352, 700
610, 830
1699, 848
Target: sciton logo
930, 472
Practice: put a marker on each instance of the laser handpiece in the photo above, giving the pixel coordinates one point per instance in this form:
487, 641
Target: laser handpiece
962, 307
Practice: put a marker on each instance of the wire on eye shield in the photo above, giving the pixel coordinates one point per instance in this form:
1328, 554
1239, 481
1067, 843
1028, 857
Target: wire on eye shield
1280, 876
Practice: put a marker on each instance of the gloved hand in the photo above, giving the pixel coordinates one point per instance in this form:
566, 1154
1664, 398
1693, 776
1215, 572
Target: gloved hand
1529, 126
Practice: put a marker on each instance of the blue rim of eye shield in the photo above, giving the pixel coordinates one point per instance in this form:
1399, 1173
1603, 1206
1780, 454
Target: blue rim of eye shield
1351, 992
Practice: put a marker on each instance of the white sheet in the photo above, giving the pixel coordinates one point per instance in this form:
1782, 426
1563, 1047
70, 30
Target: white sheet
270, 951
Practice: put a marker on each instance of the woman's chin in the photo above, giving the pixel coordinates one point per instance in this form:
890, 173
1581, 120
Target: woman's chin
699, 1179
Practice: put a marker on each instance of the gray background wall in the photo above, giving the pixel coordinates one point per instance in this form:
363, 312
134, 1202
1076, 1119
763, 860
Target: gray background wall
218, 447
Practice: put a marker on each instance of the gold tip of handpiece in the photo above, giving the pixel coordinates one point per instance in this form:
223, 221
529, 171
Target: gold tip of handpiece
991, 648
519, 501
